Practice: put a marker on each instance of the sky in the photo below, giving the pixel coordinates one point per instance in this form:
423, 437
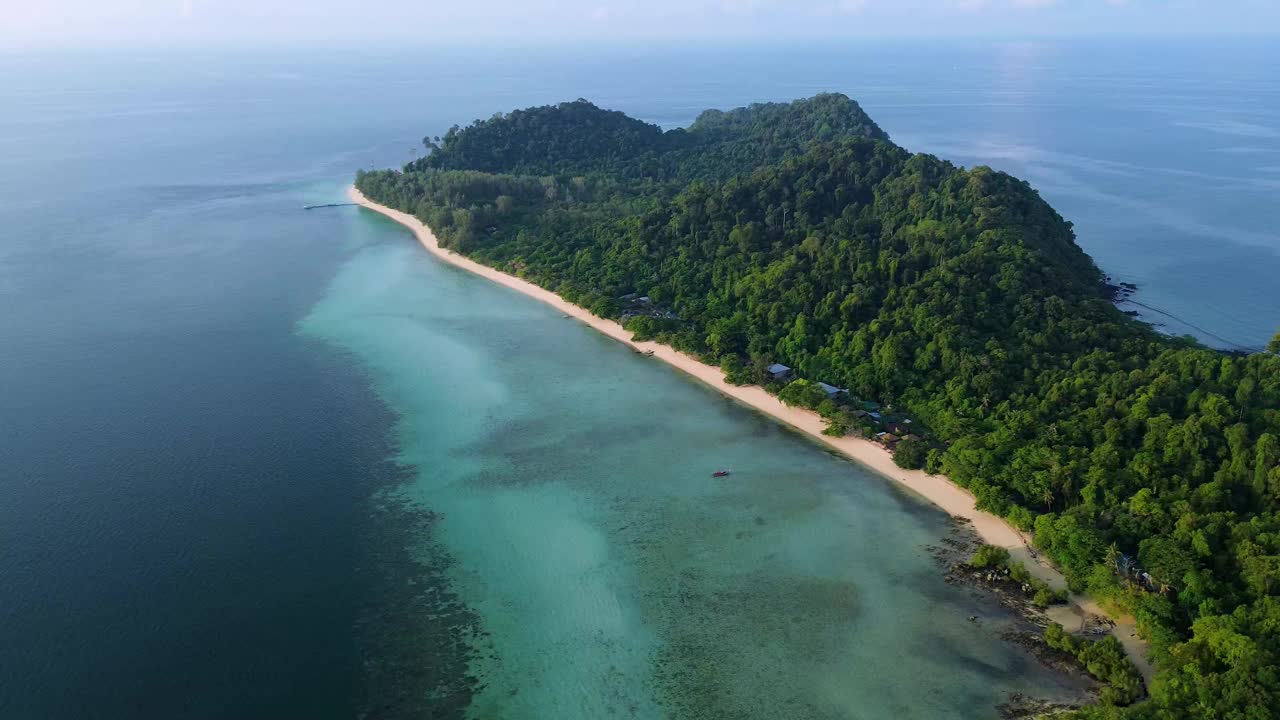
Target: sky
216, 23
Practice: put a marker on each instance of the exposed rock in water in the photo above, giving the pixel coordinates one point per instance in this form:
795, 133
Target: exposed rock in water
1118, 292
1013, 617
1025, 706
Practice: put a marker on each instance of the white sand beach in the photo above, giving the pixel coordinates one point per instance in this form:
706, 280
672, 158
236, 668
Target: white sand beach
937, 489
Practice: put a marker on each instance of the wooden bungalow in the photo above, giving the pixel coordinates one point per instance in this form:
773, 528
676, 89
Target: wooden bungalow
887, 439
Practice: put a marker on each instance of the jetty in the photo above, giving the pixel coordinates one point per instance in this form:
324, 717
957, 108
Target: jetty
314, 207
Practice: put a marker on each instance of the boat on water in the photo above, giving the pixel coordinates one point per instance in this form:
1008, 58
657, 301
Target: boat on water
722, 473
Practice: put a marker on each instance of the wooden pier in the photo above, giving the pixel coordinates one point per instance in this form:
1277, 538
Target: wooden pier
314, 207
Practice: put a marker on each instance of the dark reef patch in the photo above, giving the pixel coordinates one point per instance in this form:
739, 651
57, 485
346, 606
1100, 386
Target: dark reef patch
415, 637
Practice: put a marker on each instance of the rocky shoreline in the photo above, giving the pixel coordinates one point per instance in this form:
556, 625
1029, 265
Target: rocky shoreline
1118, 292
1015, 619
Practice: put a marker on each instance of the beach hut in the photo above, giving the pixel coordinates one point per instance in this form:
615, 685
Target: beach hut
831, 390
898, 428
778, 371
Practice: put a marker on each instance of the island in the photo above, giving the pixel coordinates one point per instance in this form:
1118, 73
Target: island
935, 322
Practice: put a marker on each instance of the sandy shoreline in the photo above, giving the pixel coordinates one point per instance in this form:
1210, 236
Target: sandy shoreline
937, 489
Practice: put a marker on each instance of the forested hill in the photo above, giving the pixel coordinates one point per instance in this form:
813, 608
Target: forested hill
578, 138
828, 116
570, 137
799, 234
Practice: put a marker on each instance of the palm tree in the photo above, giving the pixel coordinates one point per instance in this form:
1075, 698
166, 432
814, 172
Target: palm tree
1113, 555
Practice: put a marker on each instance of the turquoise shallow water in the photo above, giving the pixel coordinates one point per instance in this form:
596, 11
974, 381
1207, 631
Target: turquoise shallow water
614, 575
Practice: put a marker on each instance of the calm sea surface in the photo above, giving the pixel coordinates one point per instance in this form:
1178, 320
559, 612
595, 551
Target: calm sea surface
257, 462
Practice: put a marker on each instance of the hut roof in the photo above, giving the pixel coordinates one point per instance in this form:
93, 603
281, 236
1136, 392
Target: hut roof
830, 389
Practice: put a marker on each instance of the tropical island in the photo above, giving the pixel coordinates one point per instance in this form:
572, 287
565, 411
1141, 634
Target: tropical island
797, 249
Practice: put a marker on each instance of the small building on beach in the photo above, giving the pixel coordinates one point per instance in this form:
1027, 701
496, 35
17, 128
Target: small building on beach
889, 440
831, 390
778, 371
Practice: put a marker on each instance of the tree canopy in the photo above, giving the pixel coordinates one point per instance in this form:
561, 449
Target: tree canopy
798, 233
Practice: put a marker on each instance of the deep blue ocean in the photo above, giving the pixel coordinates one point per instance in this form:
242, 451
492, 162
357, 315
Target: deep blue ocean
261, 462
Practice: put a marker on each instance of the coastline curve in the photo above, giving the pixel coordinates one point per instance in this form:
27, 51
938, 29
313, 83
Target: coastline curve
937, 489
